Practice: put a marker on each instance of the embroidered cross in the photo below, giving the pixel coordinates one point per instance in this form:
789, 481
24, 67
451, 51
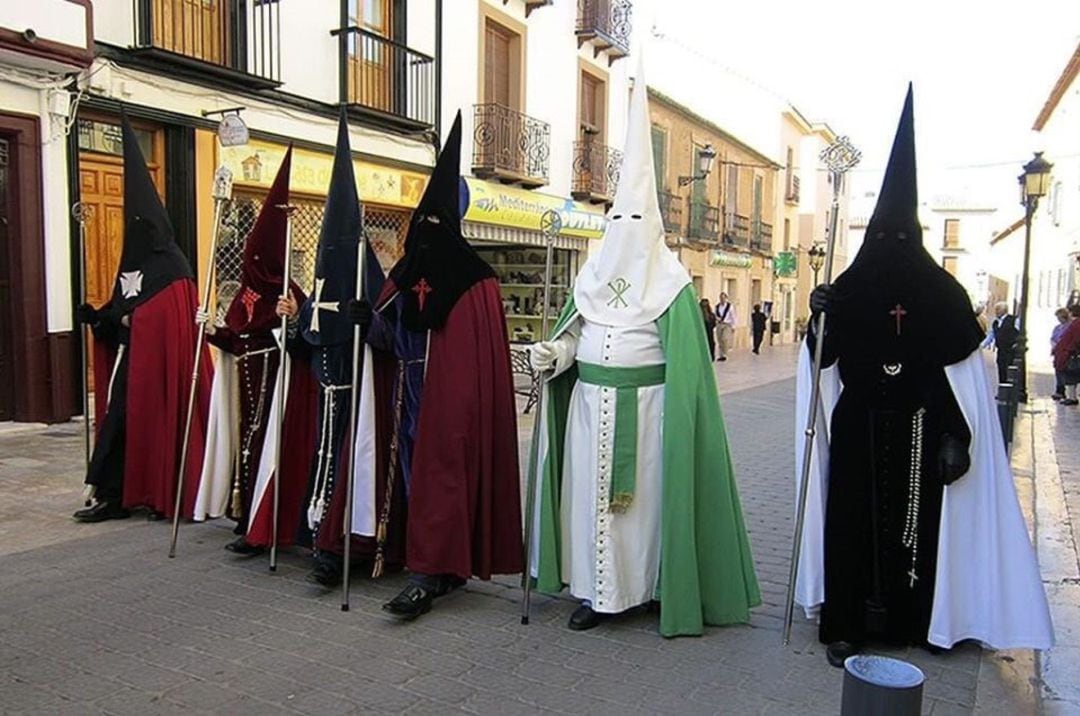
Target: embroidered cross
421, 289
131, 283
899, 314
318, 305
619, 286
914, 578
249, 298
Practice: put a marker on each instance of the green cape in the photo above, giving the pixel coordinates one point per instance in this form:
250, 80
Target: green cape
706, 571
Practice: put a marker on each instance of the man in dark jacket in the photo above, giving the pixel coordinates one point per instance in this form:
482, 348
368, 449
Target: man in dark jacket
757, 325
1004, 332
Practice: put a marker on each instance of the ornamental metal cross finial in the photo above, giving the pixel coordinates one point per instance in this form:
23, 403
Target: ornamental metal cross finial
317, 304
840, 157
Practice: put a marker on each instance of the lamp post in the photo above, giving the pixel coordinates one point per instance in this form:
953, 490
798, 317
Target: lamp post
705, 157
816, 256
1034, 184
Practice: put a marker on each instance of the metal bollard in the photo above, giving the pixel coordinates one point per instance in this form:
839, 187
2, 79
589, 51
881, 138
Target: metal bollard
881, 686
1006, 411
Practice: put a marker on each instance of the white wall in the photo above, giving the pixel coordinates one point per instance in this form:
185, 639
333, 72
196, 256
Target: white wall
53, 20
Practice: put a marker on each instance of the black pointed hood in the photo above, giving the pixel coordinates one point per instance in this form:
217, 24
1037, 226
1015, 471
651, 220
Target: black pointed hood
335, 262
150, 260
894, 302
439, 265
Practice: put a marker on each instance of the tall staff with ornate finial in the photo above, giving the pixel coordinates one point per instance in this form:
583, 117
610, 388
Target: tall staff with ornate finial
222, 193
839, 157
551, 223
279, 388
82, 213
354, 401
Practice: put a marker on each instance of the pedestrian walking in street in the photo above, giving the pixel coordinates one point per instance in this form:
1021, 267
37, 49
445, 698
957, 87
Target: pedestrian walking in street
725, 327
914, 533
144, 339
1004, 332
1067, 356
629, 512
757, 326
1063, 319
710, 326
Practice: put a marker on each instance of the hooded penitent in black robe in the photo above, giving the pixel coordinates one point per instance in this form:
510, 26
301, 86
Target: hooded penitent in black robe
895, 321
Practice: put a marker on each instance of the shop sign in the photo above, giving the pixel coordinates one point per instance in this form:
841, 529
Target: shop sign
232, 132
785, 265
257, 163
489, 203
730, 259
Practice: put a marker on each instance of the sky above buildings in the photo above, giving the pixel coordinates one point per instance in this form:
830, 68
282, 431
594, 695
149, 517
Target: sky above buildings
981, 70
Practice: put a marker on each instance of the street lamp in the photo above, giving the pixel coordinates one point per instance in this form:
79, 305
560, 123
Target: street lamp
1034, 184
816, 256
705, 157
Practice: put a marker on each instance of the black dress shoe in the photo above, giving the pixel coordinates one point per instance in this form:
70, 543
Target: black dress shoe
100, 512
413, 601
326, 573
838, 651
585, 617
243, 548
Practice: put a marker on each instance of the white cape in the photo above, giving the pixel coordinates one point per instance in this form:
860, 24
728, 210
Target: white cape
988, 586
215, 481
363, 503
268, 456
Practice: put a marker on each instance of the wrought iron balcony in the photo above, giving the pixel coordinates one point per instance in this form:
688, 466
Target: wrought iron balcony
670, 211
704, 221
736, 230
387, 79
791, 195
596, 172
605, 23
761, 238
510, 146
235, 39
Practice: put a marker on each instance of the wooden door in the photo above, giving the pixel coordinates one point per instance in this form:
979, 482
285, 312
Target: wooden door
7, 337
372, 57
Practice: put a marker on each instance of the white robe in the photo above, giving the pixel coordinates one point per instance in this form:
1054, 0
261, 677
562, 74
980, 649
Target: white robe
987, 582
610, 559
215, 481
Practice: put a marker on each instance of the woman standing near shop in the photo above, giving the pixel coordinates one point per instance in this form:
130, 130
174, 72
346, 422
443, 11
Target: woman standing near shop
710, 326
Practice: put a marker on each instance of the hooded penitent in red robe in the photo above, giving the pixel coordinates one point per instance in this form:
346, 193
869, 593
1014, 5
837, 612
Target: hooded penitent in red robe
141, 432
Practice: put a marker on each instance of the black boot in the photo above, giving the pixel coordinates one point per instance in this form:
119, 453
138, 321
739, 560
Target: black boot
838, 651
102, 511
585, 617
326, 572
243, 548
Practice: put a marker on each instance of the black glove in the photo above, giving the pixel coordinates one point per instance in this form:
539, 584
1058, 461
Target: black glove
360, 313
86, 314
821, 299
953, 458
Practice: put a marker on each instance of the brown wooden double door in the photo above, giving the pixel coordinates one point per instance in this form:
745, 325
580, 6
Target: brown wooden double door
7, 318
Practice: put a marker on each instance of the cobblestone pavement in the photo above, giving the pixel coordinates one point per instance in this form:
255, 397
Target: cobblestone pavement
95, 618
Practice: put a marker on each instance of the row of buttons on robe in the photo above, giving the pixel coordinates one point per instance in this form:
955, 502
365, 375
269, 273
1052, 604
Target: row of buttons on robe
603, 514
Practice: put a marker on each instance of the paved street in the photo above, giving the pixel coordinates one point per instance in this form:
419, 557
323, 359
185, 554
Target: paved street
95, 619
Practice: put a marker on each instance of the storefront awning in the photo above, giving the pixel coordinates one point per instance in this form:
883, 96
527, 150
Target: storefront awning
493, 233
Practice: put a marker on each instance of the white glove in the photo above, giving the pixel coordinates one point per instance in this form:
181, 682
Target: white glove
201, 317
542, 356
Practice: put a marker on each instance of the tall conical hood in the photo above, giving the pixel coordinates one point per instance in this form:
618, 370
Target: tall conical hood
896, 216
439, 265
895, 305
263, 270
634, 277
335, 264
150, 260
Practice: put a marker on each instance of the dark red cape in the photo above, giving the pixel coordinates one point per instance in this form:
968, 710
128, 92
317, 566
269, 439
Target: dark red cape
333, 527
465, 504
297, 451
160, 362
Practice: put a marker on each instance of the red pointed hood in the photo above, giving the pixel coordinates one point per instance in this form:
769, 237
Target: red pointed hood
263, 271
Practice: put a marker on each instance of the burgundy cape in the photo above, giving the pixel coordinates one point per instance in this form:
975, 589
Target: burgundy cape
331, 532
160, 362
297, 448
464, 514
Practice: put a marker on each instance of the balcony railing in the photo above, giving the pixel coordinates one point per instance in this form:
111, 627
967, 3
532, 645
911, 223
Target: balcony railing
736, 230
606, 23
228, 37
761, 238
387, 78
670, 211
704, 221
792, 193
510, 146
596, 171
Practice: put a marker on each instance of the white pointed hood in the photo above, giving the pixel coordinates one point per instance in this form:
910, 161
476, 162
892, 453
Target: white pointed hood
633, 277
